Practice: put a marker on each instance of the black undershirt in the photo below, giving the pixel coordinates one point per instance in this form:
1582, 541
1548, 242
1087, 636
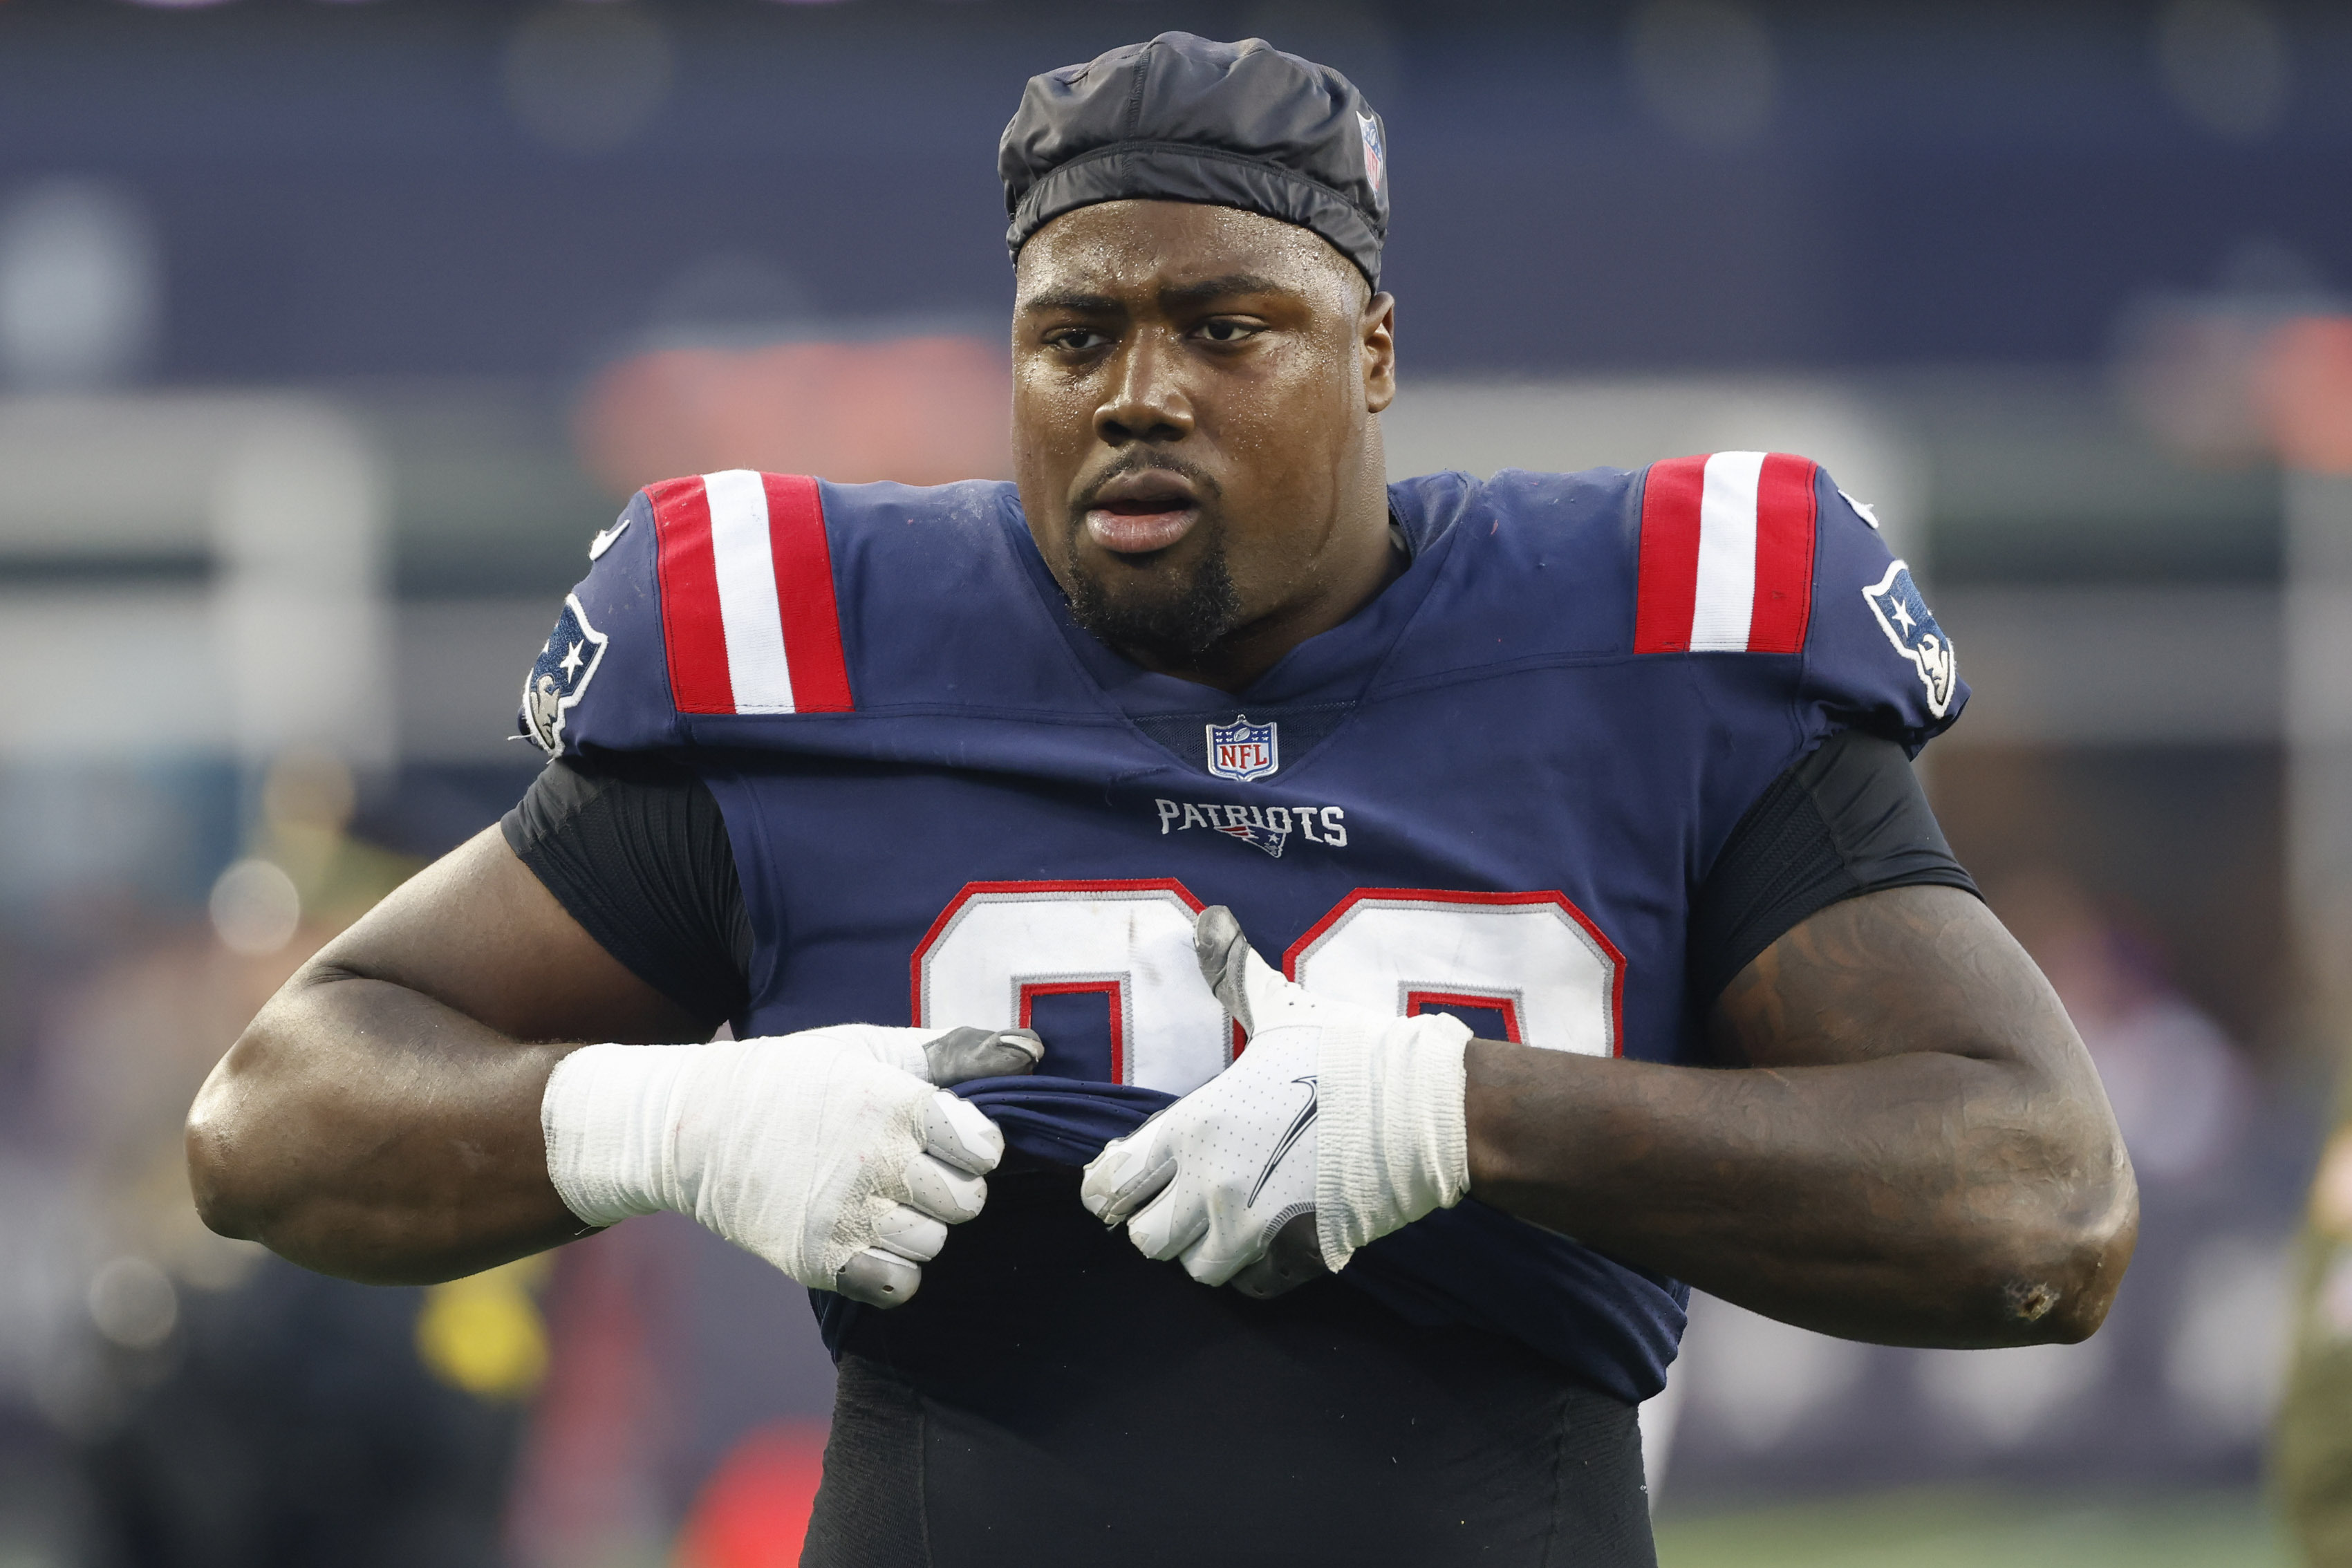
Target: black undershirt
1848, 819
636, 850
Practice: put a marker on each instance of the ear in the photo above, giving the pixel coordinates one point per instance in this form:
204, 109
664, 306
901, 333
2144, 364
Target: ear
1376, 336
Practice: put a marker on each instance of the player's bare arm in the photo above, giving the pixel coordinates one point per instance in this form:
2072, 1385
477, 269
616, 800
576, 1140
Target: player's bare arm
390, 1115
379, 1119
1912, 1148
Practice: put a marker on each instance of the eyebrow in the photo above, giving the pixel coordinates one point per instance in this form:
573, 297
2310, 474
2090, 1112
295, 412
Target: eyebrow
1173, 297
1209, 288
1072, 301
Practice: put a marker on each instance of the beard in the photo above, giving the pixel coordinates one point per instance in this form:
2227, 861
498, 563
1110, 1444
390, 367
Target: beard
1169, 621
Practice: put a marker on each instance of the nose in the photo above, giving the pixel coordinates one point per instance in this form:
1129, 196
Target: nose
1147, 400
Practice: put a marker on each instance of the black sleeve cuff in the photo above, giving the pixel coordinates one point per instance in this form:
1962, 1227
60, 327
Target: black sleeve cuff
1848, 819
637, 852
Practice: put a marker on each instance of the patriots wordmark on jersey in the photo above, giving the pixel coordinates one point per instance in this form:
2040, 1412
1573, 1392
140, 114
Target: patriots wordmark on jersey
1492, 791
1268, 827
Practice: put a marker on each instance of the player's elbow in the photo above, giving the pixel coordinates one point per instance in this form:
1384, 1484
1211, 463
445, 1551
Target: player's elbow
236, 1178
2066, 1263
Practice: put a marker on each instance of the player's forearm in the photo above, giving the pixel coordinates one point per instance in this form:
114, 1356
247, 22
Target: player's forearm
361, 1129
1925, 1198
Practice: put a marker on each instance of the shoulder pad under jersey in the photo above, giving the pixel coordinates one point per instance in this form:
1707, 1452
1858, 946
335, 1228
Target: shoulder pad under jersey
727, 608
1741, 553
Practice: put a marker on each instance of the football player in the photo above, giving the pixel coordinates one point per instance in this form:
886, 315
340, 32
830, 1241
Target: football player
1370, 948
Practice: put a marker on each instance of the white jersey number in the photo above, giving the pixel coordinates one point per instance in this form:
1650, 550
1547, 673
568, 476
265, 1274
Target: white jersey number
1002, 945
1533, 957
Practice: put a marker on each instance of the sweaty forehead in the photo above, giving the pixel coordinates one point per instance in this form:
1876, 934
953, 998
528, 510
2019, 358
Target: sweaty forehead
1140, 248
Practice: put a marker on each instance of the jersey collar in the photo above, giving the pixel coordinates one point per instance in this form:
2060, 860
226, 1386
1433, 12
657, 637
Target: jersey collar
1332, 667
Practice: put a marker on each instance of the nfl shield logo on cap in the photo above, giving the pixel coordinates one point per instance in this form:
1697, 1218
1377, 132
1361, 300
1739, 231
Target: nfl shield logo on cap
1242, 749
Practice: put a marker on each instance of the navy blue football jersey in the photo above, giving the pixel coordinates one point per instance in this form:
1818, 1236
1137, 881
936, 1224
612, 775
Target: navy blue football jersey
1494, 791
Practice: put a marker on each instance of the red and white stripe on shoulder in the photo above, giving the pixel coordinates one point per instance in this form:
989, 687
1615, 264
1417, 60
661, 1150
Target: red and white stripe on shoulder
748, 611
1727, 555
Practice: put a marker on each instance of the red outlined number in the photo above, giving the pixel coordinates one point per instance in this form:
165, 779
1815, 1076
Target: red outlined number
1416, 1002
998, 946
1535, 959
1112, 989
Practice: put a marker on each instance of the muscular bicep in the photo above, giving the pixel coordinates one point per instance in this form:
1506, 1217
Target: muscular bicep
1906, 970
478, 932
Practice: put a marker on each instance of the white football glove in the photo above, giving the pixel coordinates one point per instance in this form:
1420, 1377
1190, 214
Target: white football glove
828, 1152
1338, 1124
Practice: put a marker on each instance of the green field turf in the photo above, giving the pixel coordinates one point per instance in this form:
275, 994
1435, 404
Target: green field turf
1980, 1530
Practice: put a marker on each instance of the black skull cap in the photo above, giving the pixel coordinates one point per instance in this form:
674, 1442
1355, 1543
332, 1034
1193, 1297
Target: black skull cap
1188, 120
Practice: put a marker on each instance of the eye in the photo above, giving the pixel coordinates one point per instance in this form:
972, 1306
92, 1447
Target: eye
1228, 329
1075, 340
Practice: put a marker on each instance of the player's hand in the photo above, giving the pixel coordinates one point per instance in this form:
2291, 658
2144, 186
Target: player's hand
814, 1151
1339, 1123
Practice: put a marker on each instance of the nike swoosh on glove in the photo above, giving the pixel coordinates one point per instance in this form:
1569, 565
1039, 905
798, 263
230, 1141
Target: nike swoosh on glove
1338, 1124
829, 1152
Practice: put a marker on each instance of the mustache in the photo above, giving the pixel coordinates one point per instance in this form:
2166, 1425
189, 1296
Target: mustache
1144, 460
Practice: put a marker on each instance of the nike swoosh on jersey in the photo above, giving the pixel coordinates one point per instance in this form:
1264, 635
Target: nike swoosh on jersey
604, 539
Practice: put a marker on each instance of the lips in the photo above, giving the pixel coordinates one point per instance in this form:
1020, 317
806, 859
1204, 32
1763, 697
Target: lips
1134, 514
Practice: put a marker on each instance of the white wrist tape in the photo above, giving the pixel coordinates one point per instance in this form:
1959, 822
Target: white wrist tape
1395, 1141
606, 1115
892, 1047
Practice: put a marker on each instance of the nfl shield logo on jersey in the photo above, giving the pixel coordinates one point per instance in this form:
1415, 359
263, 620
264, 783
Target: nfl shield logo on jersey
1903, 617
559, 678
1242, 749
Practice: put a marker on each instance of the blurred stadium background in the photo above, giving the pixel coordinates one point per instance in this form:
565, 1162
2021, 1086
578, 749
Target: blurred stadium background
330, 333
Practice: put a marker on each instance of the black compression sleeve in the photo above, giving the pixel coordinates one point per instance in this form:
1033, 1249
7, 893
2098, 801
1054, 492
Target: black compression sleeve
637, 852
1850, 818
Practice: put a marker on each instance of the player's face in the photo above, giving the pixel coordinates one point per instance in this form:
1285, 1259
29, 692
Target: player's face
1193, 397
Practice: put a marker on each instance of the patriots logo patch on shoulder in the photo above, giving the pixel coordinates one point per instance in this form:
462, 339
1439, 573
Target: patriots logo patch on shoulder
559, 678
1903, 616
